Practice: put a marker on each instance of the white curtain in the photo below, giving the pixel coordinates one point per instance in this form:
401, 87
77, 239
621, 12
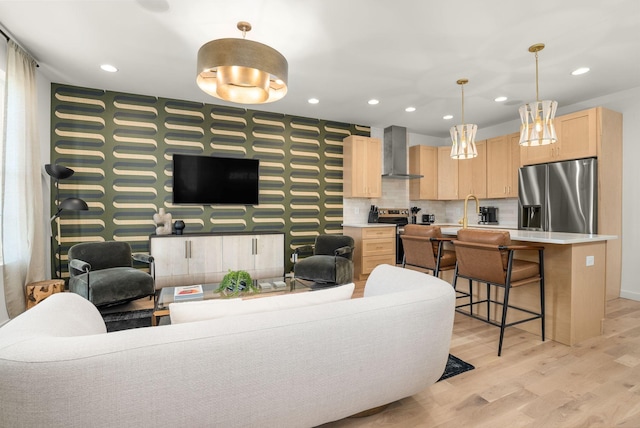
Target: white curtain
22, 233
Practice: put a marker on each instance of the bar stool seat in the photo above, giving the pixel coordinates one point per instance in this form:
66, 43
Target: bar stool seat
424, 248
488, 257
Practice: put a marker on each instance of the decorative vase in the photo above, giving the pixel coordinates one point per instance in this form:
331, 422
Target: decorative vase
179, 226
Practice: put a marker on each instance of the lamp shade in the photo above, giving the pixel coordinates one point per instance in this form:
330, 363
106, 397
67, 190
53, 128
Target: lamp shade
463, 139
242, 71
536, 118
537, 127
463, 136
58, 171
73, 204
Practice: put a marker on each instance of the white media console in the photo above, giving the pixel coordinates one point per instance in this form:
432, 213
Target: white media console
207, 258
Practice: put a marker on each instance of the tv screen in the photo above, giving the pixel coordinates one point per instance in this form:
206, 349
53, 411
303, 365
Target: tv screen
210, 180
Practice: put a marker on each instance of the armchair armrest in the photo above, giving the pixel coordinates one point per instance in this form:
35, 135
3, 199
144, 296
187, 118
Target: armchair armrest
304, 249
144, 258
342, 250
80, 265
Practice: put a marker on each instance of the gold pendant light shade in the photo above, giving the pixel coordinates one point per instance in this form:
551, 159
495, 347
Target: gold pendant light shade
463, 136
537, 117
242, 71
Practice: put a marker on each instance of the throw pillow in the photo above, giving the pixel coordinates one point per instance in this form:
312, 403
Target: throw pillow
217, 308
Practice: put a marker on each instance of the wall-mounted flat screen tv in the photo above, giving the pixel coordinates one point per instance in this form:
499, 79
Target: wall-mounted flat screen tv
209, 180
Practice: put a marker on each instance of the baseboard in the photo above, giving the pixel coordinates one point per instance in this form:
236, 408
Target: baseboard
631, 295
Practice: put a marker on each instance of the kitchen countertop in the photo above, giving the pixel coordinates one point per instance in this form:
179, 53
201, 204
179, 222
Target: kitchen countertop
368, 225
562, 238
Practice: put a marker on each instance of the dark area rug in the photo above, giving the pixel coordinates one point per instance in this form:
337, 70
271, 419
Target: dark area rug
125, 320
455, 366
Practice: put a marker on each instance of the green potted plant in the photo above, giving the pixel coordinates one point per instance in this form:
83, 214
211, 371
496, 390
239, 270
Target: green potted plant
236, 282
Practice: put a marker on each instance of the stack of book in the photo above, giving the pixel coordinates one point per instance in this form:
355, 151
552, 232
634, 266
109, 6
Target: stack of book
189, 292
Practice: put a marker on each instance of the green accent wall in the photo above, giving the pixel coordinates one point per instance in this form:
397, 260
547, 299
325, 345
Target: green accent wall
121, 145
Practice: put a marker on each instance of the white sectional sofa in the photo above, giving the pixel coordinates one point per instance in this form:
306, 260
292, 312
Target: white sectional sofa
298, 367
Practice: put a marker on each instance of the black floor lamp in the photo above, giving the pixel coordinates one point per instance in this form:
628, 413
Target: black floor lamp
59, 172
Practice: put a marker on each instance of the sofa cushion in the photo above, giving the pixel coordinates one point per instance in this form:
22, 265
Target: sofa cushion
217, 308
113, 285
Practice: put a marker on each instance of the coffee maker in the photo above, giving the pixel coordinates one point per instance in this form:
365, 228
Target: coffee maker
488, 215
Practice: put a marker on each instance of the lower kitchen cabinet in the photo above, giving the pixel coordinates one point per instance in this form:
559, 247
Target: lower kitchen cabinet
206, 258
374, 245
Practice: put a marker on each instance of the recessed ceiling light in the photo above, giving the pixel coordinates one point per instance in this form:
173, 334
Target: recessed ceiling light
447, 117
373, 102
108, 67
410, 109
500, 99
580, 71
313, 101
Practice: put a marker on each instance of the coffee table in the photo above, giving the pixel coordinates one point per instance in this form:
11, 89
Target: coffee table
265, 288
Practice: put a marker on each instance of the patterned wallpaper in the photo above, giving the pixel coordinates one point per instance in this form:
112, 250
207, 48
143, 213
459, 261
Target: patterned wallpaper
121, 145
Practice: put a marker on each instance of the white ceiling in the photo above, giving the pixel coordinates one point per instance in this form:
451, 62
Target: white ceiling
345, 52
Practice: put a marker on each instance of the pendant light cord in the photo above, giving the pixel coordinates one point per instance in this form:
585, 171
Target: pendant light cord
537, 97
462, 87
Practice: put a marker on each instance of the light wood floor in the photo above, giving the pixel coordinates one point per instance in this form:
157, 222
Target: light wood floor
533, 384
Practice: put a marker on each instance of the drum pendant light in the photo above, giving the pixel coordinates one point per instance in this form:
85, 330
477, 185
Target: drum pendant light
537, 118
463, 136
242, 71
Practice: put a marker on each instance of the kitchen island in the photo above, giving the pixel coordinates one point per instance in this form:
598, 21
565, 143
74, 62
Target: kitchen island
575, 283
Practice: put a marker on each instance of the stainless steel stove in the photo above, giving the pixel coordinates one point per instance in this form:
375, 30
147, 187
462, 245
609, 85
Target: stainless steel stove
399, 217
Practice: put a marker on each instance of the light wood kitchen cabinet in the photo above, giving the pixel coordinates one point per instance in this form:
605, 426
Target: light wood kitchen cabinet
447, 175
472, 173
503, 162
373, 246
577, 138
362, 170
423, 160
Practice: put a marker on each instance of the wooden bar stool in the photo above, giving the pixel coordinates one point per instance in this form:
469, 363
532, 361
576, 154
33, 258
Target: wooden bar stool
424, 248
487, 257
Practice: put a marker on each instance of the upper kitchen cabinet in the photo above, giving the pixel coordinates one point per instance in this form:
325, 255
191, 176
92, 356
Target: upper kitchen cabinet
577, 138
503, 162
423, 160
472, 173
447, 174
362, 172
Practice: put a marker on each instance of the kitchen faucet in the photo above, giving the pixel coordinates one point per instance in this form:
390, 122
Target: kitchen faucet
465, 220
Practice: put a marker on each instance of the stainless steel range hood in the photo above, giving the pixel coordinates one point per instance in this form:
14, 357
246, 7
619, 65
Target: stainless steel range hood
395, 153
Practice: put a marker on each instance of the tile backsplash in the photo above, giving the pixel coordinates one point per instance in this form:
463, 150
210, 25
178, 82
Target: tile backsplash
396, 195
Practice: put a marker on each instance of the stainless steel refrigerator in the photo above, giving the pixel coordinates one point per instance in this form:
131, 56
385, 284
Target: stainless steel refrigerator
559, 196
